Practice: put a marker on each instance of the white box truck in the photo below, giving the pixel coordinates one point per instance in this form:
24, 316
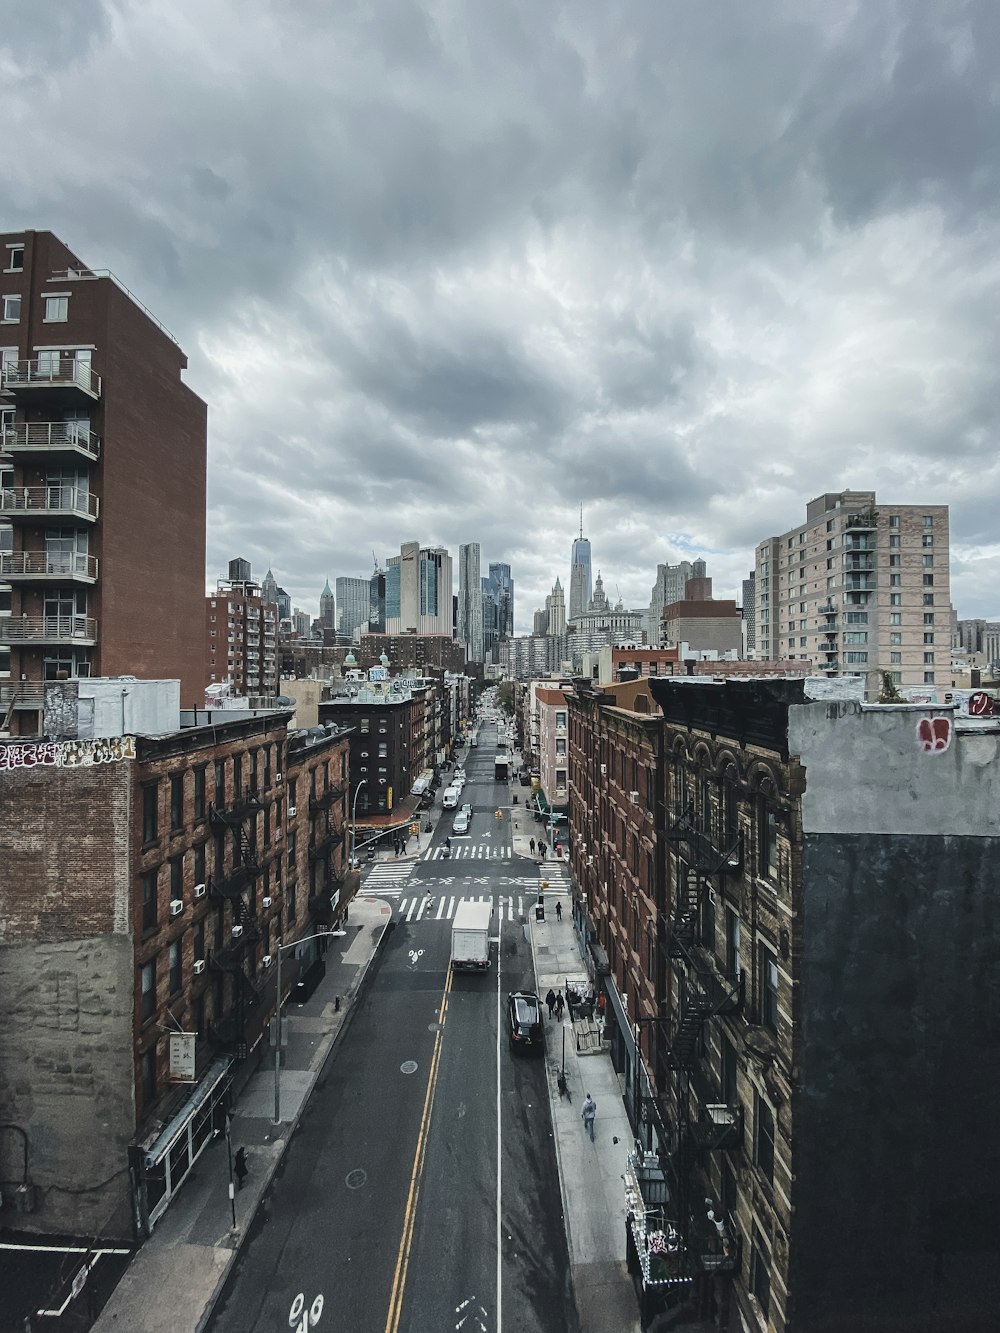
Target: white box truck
470, 935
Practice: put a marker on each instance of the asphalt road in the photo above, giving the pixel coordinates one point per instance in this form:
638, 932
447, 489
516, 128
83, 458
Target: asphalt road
390, 1205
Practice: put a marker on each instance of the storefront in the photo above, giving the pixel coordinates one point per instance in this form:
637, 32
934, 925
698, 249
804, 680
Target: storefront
657, 1260
160, 1169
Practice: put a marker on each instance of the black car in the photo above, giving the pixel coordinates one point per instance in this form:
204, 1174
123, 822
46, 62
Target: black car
524, 1022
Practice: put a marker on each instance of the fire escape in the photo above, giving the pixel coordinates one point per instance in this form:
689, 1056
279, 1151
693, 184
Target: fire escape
709, 1240
233, 959
324, 840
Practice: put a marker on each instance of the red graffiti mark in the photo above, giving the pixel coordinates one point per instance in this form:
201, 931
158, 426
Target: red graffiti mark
934, 734
981, 705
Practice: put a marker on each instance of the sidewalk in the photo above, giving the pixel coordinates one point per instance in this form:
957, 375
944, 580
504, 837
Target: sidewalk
195, 1236
590, 1173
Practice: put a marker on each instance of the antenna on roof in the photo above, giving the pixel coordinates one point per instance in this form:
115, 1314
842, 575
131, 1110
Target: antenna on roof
581, 520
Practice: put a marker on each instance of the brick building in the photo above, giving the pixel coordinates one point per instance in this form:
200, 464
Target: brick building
102, 485
420, 652
241, 628
803, 949
148, 881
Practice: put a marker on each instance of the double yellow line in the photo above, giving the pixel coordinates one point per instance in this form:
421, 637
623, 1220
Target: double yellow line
410, 1216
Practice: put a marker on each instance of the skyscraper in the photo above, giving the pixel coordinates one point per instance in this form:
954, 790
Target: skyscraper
327, 608
669, 588
418, 591
376, 601
353, 596
503, 585
580, 583
269, 588
470, 602
555, 605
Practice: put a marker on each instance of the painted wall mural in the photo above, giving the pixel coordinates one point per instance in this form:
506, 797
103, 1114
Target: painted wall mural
67, 754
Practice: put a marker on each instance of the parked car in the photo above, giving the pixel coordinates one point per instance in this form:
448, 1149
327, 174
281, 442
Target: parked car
524, 779
467, 809
461, 824
524, 1022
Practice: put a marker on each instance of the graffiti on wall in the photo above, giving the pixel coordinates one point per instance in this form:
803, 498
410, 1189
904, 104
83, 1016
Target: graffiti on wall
67, 754
934, 734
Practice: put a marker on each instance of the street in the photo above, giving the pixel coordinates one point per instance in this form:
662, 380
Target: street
421, 1191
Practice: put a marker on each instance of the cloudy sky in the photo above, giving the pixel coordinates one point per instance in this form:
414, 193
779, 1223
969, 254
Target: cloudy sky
446, 268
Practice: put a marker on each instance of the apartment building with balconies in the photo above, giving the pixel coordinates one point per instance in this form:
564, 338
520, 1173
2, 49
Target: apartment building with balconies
102, 484
797, 944
859, 586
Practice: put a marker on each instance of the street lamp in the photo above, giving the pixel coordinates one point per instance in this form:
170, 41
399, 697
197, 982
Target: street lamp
354, 822
279, 949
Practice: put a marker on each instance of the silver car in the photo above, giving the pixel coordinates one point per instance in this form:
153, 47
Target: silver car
461, 824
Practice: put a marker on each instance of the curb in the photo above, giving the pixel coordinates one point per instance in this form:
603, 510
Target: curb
293, 1124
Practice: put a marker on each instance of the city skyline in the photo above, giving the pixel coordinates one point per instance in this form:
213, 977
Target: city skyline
693, 321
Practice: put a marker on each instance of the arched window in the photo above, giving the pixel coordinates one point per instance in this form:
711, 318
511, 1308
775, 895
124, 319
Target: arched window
767, 831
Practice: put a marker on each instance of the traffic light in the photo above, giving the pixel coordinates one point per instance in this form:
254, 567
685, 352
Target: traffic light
499, 814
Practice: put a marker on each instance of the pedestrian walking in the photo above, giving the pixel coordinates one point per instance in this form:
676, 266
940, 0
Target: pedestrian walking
588, 1115
558, 911
541, 850
560, 1006
240, 1167
531, 844
550, 1000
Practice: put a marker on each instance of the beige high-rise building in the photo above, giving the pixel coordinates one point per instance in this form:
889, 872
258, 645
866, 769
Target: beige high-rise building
857, 587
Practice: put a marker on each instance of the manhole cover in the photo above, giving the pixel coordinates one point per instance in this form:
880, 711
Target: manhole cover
355, 1179
408, 1067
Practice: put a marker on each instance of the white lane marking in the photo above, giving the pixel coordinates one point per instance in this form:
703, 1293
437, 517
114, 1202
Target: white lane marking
499, 1302
413, 907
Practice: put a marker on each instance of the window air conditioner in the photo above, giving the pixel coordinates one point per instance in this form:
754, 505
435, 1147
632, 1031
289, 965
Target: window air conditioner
176, 906
291, 812
237, 932
277, 778
590, 860
198, 966
266, 902
604, 769
199, 890
634, 797
266, 960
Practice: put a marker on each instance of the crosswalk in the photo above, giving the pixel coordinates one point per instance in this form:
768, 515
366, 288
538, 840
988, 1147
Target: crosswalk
388, 879
441, 907
470, 851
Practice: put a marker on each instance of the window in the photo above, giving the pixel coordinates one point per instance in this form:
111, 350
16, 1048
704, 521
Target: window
15, 259
733, 967
928, 617
893, 520
147, 986
147, 1069
290, 900
856, 636
11, 309
896, 638
176, 801
707, 919
760, 1274
149, 908
220, 784
928, 659
895, 599
56, 309
928, 580
291, 852
929, 678
928, 597
895, 541
895, 659
198, 940
895, 580
383, 750
928, 638
856, 617
928, 561
177, 877
895, 561
928, 520
855, 659
895, 618
174, 968
768, 988
149, 802
928, 539
768, 840
199, 793
763, 1145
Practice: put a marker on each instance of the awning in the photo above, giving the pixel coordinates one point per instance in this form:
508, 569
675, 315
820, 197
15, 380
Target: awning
599, 955
217, 1071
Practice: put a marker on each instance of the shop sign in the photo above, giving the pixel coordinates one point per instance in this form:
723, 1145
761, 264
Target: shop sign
182, 1057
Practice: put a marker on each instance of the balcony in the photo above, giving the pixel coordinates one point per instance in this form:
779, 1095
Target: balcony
36, 504
233, 885
859, 543
325, 800
860, 582
323, 845
27, 696
52, 378
830, 628
861, 521
859, 563
37, 567
718, 1127
51, 439
78, 630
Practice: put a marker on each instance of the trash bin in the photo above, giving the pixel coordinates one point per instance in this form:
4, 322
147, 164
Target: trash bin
539, 911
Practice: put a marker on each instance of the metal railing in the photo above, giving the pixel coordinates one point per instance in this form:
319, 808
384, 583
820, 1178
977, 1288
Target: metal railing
91, 274
24, 694
51, 436
48, 629
51, 371
32, 564
48, 500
